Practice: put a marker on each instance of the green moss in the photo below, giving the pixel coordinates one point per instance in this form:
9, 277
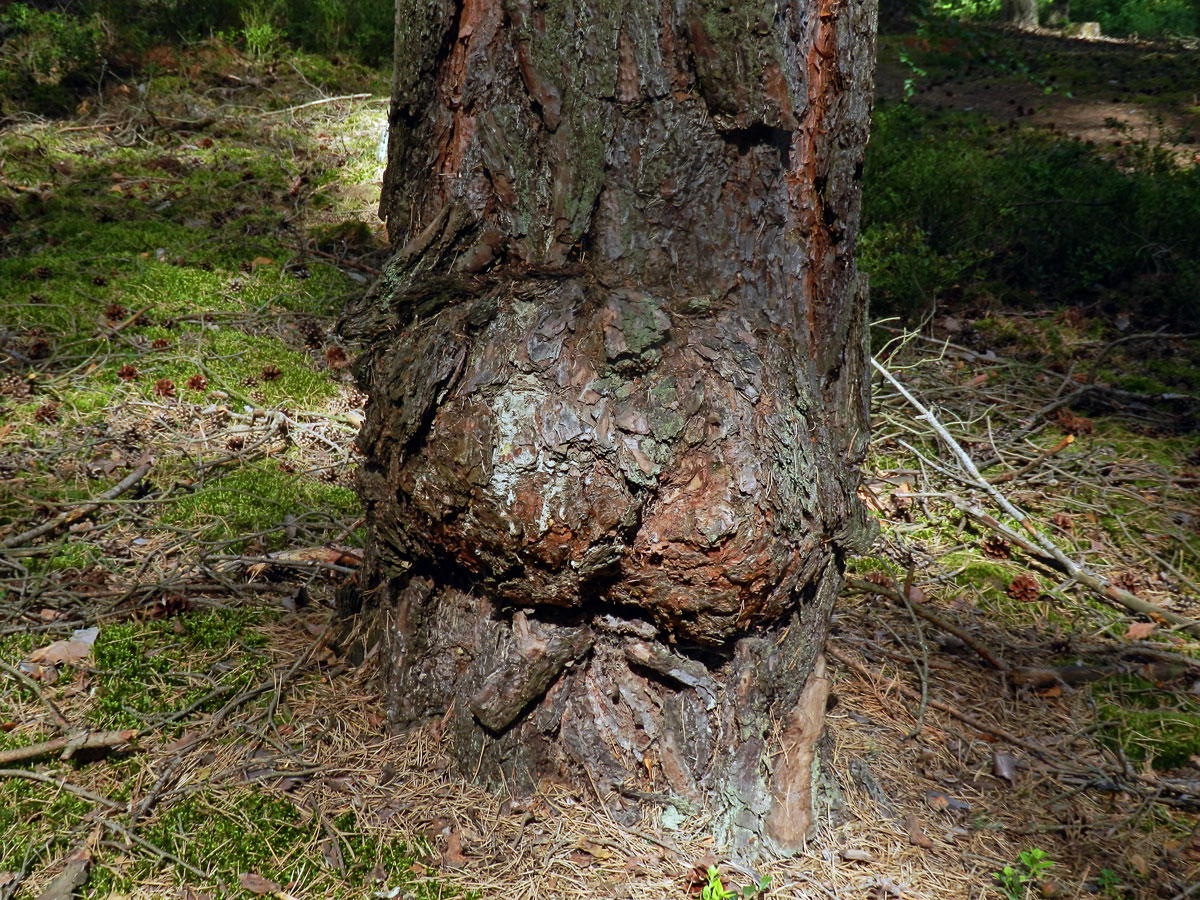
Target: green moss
983, 573
26, 808
997, 329
1148, 723
233, 356
256, 499
1170, 451
158, 667
246, 832
861, 565
66, 555
253, 831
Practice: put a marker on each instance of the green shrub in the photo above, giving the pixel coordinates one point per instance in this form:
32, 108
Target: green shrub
47, 51
947, 198
360, 28
47, 47
260, 28
1147, 18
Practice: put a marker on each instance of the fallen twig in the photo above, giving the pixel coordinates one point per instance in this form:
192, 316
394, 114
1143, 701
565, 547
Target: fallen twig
69, 517
1042, 545
963, 717
892, 593
156, 791
68, 746
292, 109
30, 775
1101, 586
32, 685
158, 851
121, 326
1036, 461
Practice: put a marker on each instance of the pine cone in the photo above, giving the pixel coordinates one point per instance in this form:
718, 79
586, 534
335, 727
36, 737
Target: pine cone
47, 413
877, 577
1024, 588
994, 547
15, 386
1129, 581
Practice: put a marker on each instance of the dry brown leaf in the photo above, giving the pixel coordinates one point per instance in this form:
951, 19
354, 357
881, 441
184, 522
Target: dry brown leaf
69, 653
596, 850
71, 878
1004, 765
256, 884
335, 358
1072, 423
937, 800
46, 674
453, 856
916, 834
1140, 630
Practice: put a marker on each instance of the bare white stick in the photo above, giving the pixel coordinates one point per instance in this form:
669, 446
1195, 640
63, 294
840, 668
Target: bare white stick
1045, 547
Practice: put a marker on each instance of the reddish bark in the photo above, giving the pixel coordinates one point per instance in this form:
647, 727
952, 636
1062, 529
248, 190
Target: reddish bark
617, 392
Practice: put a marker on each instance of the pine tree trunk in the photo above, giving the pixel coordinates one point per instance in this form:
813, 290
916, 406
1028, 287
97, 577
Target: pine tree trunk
618, 394
1022, 13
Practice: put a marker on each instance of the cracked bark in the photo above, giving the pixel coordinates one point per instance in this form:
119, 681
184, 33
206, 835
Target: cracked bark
618, 394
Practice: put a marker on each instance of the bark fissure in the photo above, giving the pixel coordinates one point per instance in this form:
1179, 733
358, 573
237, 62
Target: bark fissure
616, 394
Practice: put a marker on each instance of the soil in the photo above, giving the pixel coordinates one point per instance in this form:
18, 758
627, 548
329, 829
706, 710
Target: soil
1109, 92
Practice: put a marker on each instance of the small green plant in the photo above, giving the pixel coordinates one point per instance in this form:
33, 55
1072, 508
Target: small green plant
259, 29
756, 890
1031, 868
715, 888
914, 73
1108, 883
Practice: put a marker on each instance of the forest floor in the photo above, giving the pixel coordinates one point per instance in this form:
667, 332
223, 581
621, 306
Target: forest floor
176, 427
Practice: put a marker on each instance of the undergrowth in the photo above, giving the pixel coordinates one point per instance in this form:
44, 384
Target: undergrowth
1033, 218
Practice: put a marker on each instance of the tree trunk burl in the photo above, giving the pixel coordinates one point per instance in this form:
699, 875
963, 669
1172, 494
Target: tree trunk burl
618, 395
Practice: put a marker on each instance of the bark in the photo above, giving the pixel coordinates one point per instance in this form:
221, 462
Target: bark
1021, 13
617, 393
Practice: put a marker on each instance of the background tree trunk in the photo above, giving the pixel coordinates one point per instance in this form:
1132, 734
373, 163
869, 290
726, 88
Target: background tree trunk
617, 391
1022, 13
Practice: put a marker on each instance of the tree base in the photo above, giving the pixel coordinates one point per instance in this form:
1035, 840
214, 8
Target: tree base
599, 701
